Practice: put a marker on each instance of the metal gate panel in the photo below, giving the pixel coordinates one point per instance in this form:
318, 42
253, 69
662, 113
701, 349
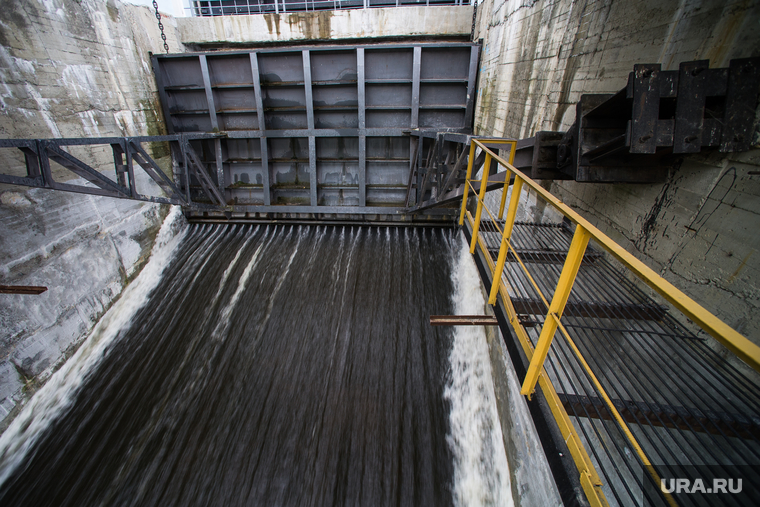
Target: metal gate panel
319, 129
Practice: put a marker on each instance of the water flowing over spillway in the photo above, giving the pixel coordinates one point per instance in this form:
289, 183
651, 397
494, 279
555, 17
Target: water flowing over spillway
271, 365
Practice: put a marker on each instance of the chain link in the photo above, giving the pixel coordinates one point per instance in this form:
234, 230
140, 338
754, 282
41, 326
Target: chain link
474, 16
161, 26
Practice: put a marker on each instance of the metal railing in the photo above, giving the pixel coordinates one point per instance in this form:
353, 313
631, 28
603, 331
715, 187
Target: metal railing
52, 163
204, 8
604, 349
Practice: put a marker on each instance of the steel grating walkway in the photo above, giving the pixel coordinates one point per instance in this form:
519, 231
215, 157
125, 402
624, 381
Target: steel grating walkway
685, 404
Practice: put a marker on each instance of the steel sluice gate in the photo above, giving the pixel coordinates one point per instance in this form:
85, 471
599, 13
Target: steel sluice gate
321, 129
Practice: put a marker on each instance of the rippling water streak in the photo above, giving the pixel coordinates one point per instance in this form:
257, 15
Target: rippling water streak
272, 365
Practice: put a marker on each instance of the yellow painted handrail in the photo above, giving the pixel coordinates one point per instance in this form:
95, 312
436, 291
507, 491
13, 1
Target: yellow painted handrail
588, 476
731, 339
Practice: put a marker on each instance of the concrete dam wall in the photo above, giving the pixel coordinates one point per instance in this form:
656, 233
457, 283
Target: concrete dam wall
70, 69
696, 228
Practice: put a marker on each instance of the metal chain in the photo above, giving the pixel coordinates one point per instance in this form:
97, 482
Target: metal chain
161, 26
474, 15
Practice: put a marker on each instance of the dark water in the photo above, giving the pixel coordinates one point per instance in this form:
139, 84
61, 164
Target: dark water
277, 365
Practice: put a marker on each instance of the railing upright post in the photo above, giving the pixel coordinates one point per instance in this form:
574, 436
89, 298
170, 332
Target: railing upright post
506, 235
561, 294
507, 177
481, 196
467, 182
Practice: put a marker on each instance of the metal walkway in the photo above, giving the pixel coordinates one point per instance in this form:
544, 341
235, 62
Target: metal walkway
638, 391
683, 403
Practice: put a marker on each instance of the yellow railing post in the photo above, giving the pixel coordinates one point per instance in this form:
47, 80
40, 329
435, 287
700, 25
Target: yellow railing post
467, 182
507, 177
481, 196
506, 235
561, 294
615, 413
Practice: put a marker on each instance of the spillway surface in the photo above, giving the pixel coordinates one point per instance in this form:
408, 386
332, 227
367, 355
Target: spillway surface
272, 365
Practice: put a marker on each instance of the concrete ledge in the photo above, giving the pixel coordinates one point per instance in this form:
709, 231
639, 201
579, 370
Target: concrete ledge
328, 25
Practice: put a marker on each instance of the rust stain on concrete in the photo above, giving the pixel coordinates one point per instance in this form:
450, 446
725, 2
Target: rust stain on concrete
725, 34
312, 25
741, 266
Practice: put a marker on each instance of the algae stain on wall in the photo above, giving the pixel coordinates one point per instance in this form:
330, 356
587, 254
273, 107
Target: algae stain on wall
273, 23
310, 25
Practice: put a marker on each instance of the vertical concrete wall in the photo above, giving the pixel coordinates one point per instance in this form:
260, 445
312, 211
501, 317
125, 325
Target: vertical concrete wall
698, 229
70, 68
79, 68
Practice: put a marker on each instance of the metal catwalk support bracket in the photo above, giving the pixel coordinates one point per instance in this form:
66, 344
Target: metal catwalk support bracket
448, 176
122, 171
39, 153
34, 176
51, 151
199, 171
138, 154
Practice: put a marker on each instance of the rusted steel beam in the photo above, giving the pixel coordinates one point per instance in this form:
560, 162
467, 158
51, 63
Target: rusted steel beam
664, 416
463, 320
593, 309
22, 289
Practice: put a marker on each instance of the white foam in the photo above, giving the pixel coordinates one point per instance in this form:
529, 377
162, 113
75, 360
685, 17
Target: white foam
224, 322
481, 472
59, 391
232, 265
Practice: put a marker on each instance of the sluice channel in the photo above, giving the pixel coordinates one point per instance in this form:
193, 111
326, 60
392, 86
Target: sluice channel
446, 253
273, 365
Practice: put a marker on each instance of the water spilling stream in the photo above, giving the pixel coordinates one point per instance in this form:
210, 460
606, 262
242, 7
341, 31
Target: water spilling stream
273, 365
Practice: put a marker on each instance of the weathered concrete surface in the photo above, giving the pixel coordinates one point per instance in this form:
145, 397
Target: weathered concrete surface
328, 25
540, 56
698, 229
79, 68
70, 68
